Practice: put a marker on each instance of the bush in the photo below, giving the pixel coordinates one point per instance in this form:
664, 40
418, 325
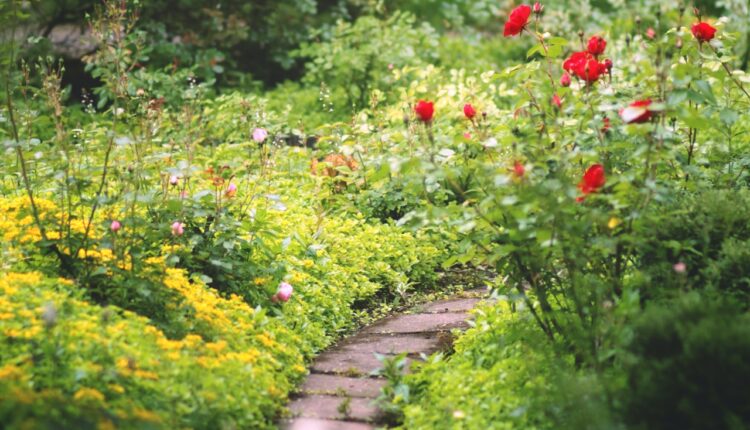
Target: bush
702, 234
687, 366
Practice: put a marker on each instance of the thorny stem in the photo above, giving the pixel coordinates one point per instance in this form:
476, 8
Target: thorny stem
729, 73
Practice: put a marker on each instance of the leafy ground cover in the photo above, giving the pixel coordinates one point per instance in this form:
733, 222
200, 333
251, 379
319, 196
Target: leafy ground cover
176, 249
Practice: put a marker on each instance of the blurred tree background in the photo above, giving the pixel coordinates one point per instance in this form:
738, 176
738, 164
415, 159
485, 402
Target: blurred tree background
256, 44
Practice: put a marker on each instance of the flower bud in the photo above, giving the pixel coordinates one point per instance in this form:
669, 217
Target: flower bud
115, 226
538, 8
565, 80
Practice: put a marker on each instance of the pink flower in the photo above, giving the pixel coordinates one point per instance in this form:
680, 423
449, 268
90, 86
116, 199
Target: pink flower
231, 190
177, 229
467, 135
173, 180
565, 80
650, 33
538, 8
679, 267
115, 226
260, 135
519, 169
284, 293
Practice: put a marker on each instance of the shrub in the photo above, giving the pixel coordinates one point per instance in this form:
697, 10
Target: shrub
687, 366
702, 234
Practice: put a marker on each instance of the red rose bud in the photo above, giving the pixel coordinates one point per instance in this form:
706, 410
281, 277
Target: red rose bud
650, 33
538, 8
469, 111
565, 80
425, 110
518, 169
703, 31
637, 112
607, 65
556, 101
606, 125
596, 46
517, 20
593, 179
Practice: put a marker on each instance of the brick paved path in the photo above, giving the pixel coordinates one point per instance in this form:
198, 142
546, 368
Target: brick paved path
340, 391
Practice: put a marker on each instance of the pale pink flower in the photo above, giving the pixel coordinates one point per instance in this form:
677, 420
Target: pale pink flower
231, 190
260, 135
177, 228
284, 293
115, 226
679, 267
173, 180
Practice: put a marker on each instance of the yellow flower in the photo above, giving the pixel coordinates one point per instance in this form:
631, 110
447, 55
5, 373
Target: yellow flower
145, 374
86, 394
106, 424
613, 223
115, 388
146, 415
9, 371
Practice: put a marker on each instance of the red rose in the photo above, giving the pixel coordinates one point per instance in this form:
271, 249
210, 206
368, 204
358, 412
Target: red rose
425, 110
469, 111
606, 125
703, 31
596, 46
565, 80
575, 58
585, 66
517, 20
592, 180
607, 65
518, 169
637, 112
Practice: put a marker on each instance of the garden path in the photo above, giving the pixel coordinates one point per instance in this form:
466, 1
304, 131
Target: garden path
340, 391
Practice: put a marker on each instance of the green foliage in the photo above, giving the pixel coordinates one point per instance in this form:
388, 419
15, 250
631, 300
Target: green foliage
687, 366
359, 56
498, 378
699, 232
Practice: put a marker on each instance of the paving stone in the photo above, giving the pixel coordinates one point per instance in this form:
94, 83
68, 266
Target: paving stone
475, 292
450, 305
327, 408
335, 384
419, 323
346, 363
410, 343
317, 424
